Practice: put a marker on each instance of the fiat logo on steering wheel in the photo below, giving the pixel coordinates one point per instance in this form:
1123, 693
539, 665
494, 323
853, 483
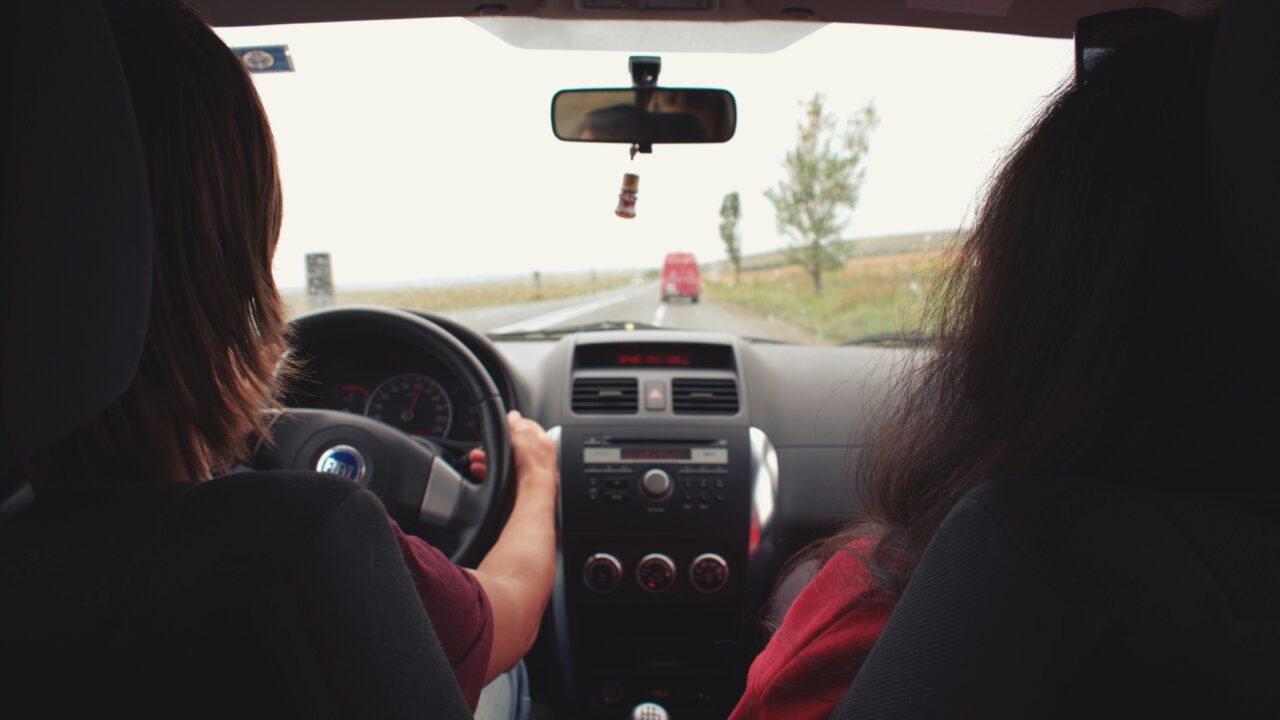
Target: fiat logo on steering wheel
343, 461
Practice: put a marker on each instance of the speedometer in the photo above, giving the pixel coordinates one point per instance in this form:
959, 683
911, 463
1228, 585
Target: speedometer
413, 403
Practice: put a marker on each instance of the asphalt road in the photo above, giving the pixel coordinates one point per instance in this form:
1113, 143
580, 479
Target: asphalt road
635, 303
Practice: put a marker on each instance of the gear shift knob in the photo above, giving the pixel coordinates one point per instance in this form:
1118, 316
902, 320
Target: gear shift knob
649, 711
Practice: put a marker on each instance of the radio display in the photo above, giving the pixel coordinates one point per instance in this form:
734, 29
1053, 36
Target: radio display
656, 454
647, 454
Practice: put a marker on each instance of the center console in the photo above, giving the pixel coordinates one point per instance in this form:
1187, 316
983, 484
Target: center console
664, 534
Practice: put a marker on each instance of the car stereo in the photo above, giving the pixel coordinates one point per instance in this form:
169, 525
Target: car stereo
656, 528
670, 483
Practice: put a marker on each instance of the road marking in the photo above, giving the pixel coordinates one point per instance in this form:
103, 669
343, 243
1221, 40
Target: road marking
661, 313
551, 319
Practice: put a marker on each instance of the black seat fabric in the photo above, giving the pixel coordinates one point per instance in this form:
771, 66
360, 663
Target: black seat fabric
64, 563
75, 227
1063, 598
281, 594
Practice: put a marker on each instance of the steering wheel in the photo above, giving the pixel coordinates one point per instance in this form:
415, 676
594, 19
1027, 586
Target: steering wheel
423, 492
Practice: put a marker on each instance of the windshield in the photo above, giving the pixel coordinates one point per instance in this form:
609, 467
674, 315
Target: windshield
420, 170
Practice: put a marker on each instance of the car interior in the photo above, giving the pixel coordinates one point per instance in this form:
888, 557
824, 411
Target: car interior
693, 464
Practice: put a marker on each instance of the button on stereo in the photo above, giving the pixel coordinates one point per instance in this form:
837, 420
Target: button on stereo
655, 572
602, 573
612, 489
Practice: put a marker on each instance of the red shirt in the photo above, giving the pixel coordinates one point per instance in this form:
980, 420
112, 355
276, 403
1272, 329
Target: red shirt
813, 657
458, 608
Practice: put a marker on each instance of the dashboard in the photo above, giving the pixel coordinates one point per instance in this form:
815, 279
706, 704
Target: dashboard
692, 465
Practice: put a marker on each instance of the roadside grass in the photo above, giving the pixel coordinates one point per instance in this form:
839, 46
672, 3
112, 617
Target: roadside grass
869, 295
436, 298
897, 244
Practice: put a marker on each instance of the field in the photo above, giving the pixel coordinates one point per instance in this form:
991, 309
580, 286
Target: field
436, 298
861, 247
869, 295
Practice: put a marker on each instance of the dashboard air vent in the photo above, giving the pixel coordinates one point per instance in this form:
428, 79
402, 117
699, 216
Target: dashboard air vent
605, 396
700, 396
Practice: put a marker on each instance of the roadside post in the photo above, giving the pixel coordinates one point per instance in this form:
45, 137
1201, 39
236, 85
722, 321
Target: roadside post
319, 281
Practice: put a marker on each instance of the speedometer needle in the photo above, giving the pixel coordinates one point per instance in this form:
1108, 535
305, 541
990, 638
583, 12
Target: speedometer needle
407, 415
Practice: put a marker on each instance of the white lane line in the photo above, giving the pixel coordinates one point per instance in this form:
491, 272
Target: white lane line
661, 313
557, 317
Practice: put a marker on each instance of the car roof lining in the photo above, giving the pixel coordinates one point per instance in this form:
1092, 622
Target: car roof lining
1015, 17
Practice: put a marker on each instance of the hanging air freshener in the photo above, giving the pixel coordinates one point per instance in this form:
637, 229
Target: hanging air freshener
627, 198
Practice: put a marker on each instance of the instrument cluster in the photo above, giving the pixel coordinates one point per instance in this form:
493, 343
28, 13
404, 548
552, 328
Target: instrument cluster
387, 381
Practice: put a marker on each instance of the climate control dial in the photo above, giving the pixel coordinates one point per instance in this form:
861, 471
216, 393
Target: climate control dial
655, 572
709, 573
602, 573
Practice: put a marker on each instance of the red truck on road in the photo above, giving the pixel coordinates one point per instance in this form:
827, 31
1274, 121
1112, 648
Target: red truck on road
680, 277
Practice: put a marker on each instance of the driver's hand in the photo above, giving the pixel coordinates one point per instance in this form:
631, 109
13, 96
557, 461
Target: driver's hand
520, 569
533, 451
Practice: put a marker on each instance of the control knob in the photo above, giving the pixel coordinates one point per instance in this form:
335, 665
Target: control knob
657, 484
655, 572
602, 572
649, 711
709, 572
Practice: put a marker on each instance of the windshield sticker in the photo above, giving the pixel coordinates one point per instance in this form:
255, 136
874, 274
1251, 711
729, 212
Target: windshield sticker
995, 8
265, 58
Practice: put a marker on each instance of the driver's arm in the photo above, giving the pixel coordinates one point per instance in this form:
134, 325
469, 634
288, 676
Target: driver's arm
519, 570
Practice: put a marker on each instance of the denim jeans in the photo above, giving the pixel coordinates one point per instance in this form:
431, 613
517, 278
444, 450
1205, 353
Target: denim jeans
507, 697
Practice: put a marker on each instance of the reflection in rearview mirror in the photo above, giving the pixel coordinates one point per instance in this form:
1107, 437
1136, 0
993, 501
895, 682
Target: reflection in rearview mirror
644, 115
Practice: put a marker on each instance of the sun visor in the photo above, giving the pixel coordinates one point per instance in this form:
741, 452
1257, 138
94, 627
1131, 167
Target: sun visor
75, 265
1244, 138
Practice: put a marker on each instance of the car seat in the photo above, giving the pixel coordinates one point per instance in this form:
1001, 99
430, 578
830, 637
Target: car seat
1072, 597
279, 594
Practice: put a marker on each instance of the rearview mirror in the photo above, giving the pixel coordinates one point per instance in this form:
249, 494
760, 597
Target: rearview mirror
644, 115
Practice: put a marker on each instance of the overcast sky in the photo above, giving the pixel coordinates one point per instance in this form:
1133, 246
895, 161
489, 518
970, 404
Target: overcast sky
417, 151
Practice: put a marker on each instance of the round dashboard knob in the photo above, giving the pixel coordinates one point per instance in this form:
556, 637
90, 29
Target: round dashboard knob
649, 711
602, 573
657, 484
709, 573
655, 572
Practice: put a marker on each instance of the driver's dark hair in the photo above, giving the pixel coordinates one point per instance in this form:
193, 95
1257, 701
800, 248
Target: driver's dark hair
1090, 324
217, 327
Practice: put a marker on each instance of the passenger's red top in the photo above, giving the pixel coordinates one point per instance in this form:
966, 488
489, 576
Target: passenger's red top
812, 659
458, 608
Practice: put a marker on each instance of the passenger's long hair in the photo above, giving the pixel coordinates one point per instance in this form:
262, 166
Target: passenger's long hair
217, 329
1089, 324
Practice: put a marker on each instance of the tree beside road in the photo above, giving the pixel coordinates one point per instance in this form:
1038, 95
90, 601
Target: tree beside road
730, 213
824, 175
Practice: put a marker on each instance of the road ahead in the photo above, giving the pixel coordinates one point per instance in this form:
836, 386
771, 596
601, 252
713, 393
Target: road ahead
635, 303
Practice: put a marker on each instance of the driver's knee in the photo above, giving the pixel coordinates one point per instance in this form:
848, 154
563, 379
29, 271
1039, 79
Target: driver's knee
507, 697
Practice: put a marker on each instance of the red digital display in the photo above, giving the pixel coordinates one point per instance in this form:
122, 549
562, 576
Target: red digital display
654, 360
654, 355
655, 454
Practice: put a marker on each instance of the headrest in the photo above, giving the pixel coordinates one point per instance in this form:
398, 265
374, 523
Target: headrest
75, 263
1244, 138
